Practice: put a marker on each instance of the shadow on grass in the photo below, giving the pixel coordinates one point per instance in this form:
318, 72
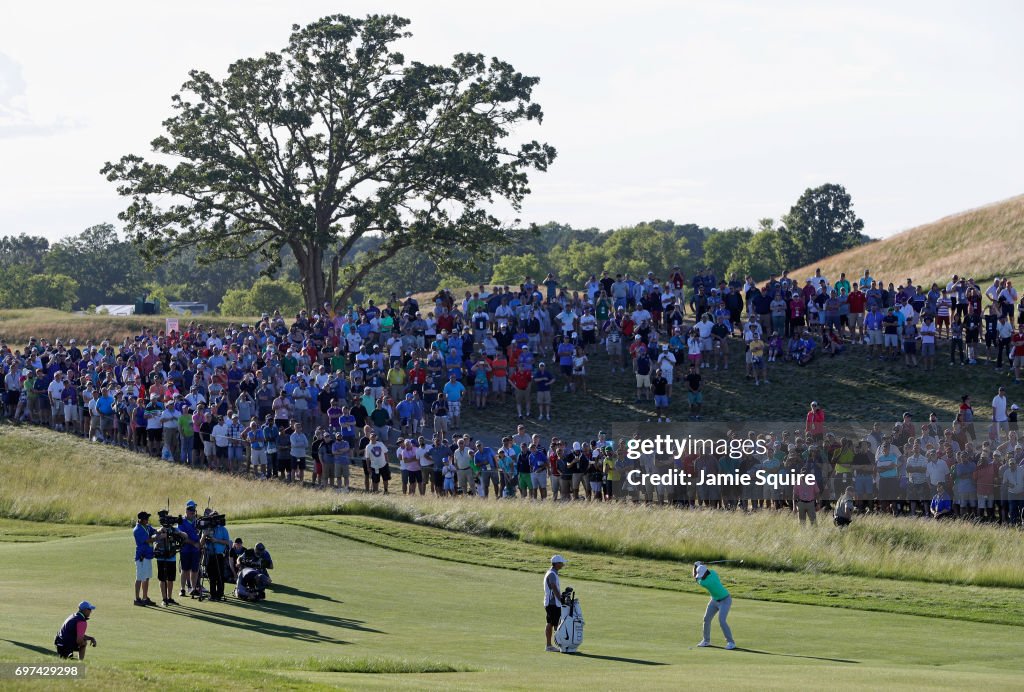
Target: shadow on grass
300, 612
619, 659
51, 651
292, 591
254, 625
775, 653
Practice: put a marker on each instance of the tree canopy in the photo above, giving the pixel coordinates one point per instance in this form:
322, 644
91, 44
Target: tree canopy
331, 139
822, 223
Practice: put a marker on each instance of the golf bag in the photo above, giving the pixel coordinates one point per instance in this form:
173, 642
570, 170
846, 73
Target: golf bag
569, 634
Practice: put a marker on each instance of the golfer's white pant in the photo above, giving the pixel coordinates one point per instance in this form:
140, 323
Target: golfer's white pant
722, 608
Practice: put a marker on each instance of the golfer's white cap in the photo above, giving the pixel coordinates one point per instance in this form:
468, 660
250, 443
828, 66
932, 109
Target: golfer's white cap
558, 560
701, 571
85, 605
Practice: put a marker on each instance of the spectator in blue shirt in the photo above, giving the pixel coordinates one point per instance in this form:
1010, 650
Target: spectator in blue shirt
145, 536
487, 464
942, 505
542, 380
538, 472
453, 390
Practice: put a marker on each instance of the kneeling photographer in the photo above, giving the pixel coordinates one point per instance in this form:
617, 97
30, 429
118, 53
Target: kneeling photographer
266, 562
252, 578
214, 546
169, 540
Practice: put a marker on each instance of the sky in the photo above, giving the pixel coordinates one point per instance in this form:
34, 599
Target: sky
716, 113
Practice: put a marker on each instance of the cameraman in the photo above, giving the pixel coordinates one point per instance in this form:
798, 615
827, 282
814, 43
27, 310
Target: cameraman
169, 541
189, 552
216, 541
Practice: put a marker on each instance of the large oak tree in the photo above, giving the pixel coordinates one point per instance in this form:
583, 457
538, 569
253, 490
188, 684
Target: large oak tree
333, 138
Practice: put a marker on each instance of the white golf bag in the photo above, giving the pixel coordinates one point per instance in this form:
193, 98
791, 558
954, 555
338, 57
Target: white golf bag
569, 634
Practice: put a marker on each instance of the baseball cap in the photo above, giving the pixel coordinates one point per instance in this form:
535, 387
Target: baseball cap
576, 446
260, 546
190, 503
702, 570
85, 605
558, 560
1015, 407
144, 515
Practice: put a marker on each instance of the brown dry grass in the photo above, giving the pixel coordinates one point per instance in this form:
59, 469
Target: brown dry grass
17, 326
981, 243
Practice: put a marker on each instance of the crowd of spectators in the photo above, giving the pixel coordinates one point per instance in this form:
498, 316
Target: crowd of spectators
366, 390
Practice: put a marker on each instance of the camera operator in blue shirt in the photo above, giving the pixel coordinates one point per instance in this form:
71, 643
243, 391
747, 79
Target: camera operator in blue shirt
190, 552
216, 540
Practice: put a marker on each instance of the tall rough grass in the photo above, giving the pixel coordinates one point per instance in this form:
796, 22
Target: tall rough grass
56, 478
61, 479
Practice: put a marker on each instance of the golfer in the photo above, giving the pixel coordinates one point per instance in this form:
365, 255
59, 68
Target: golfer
553, 599
720, 603
71, 636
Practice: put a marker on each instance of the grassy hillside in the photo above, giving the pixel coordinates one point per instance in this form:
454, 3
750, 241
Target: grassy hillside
17, 326
980, 243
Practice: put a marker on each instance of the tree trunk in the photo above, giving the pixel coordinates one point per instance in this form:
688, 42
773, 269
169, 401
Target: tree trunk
332, 288
311, 272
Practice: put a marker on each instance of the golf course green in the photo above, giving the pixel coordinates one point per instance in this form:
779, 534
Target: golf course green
349, 613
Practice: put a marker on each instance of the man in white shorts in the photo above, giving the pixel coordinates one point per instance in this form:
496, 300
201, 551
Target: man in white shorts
667, 365
706, 342
144, 535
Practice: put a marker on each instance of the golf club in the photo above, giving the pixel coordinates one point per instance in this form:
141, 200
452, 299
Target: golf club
718, 562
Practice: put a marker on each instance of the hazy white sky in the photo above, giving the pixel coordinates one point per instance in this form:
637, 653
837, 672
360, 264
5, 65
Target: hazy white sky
717, 113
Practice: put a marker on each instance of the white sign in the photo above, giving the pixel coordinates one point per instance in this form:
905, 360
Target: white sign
172, 324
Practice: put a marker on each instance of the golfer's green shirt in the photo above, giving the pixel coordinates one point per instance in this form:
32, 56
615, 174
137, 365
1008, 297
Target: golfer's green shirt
713, 585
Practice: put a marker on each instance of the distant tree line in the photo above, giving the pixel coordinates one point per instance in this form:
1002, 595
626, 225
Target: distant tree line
100, 265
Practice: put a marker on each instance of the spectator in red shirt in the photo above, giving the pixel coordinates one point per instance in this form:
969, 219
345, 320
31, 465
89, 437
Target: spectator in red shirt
499, 376
521, 379
985, 483
815, 426
857, 300
805, 495
1017, 352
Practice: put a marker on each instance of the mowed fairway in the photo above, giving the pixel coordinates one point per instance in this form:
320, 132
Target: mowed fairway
346, 605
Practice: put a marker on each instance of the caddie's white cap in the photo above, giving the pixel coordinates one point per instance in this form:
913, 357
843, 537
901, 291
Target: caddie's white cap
558, 560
